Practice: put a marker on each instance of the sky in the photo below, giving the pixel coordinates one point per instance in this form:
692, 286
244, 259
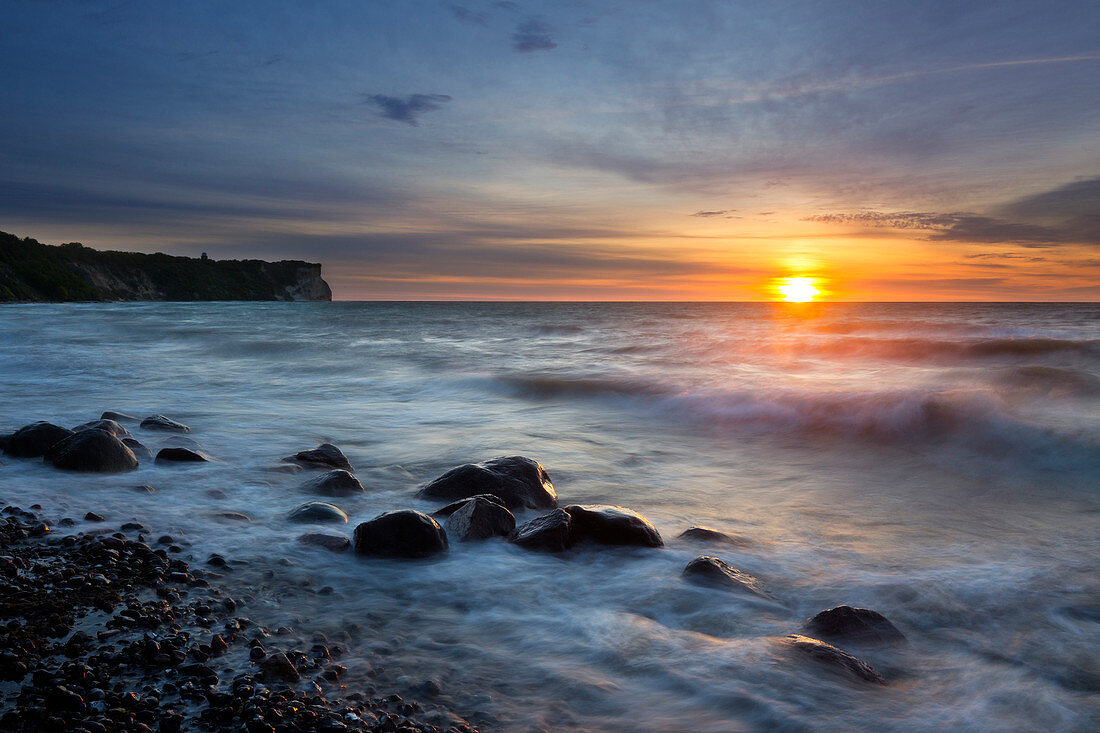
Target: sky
570, 150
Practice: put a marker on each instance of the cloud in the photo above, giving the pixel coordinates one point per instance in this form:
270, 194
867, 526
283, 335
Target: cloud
406, 109
466, 15
533, 35
706, 214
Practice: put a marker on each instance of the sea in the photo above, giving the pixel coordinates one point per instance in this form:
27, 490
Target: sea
938, 463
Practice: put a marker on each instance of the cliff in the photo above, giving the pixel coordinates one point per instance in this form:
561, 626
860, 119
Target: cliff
32, 271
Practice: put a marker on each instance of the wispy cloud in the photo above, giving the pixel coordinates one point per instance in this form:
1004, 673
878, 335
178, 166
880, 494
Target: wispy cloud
533, 35
406, 109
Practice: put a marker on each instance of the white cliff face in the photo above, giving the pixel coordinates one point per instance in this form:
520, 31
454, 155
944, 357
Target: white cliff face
309, 285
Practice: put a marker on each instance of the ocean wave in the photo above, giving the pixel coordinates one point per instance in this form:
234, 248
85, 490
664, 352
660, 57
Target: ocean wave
916, 349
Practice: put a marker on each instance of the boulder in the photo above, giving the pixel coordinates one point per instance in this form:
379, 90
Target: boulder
160, 422
480, 519
181, 455
110, 426
855, 624
711, 536
549, 533
334, 483
707, 570
139, 449
181, 441
454, 506
517, 481
117, 416
325, 454
612, 525
401, 533
330, 542
92, 450
317, 511
837, 659
32, 441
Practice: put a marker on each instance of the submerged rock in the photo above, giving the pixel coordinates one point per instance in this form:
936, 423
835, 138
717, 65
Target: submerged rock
334, 483
160, 422
318, 511
612, 525
401, 533
479, 519
549, 533
181, 455
325, 454
110, 426
707, 570
454, 506
855, 624
837, 659
32, 441
92, 450
181, 441
334, 543
139, 449
517, 481
117, 416
712, 536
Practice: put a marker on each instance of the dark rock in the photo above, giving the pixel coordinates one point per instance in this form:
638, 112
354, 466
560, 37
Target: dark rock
480, 519
232, 516
612, 525
32, 441
454, 506
160, 422
327, 541
278, 666
325, 454
93, 517
402, 533
550, 532
181, 455
290, 468
181, 441
144, 489
517, 481
117, 416
92, 450
706, 570
109, 426
855, 624
334, 483
837, 659
318, 511
712, 536
140, 451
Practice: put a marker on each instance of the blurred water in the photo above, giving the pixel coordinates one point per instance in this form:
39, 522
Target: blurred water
936, 462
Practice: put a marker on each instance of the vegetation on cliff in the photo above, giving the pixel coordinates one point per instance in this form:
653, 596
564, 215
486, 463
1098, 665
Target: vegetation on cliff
32, 271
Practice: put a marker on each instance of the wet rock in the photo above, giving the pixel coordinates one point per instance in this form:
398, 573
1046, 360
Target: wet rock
318, 511
454, 506
93, 517
711, 536
855, 624
109, 426
32, 441
480, 519
334, 483
710, 571
517, 481
612, 525
181, 455
232, 516
92, 450
140, 451
160, 422
837, 659
549, 533
117, 416
402, 533
279, 666
181, 441
144, 489
291, 468
325, 454
331, 542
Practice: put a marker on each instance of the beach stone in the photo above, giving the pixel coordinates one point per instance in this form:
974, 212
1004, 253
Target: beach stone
401, 533
317, 511
855, 624
92, 450
517, 481
612, 525
160, 422
331, 542
325, 454
278, 666
232, 516
480, 519
291, 468
181, 441
32, 441
181, 455
549, 533
117, 416
454, 506
109, 426
139, 449
334, 483
712, 536
837, 659
707, 570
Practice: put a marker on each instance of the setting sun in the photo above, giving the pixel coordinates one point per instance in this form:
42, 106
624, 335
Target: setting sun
798, 289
